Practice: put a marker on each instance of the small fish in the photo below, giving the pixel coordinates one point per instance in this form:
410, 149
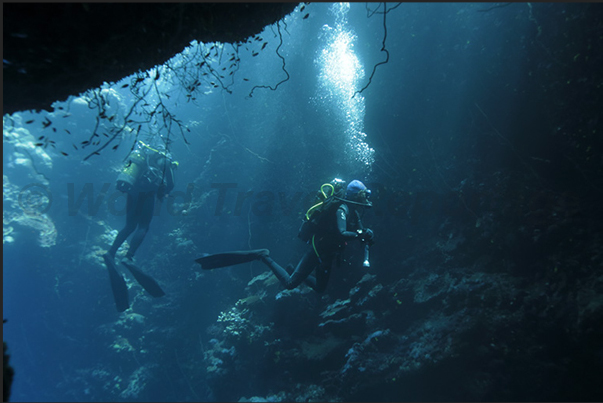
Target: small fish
29, 121
232, 58
264, 45
115, 146
40, 138
67, 115
38, 144
54, 129
85, 142
302, 8
96, 153
125, 86
111, 118
254, 54
129, 120
104, 134
139, 79
64, 153
68, 132
46, 123
74, 146
306, 16
258, 38
245, 79
60, 108
157, 76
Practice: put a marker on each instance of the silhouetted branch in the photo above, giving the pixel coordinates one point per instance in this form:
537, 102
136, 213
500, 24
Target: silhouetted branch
383, 49
278, 26
370, 13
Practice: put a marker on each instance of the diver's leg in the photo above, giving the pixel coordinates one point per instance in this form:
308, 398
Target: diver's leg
302, 271
131, 221
145, 214
310, 281
323, 272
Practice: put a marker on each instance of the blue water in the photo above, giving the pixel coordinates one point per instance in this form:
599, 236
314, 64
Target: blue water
452, 68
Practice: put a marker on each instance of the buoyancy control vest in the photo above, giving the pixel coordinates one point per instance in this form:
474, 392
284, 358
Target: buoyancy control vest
328, 199
145, 170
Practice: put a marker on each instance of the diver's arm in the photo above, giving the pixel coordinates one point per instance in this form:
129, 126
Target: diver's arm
342, 218
360, 226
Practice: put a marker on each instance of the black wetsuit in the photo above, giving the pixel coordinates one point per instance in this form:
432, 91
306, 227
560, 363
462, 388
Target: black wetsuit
329, 242
139, 209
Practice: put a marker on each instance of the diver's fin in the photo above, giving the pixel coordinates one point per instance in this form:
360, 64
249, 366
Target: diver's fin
147, 282
217, 260
118, 285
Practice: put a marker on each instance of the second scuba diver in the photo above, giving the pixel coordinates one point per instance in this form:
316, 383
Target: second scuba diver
329, 225
148, 174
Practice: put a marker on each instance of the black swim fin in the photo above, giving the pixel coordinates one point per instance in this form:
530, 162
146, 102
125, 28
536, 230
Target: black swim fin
217, 260
147, 282
118, 285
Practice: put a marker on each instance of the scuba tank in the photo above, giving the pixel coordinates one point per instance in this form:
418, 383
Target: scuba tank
129, 175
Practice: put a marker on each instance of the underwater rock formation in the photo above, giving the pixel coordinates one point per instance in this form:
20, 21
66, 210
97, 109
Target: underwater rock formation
452, 332
7, 374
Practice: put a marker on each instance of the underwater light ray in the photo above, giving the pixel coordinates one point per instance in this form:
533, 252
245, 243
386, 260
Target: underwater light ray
340, 72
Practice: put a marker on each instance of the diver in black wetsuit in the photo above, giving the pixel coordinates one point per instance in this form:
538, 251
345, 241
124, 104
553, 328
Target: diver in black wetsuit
328, 242
337, 225
148, 174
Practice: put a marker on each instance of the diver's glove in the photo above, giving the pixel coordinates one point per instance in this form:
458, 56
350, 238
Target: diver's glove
366, 235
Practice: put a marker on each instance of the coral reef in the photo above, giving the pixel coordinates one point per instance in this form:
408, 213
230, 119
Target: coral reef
136, 383
23, 207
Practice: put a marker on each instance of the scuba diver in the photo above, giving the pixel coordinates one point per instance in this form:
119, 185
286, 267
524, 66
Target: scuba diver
329, 225
148, 173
